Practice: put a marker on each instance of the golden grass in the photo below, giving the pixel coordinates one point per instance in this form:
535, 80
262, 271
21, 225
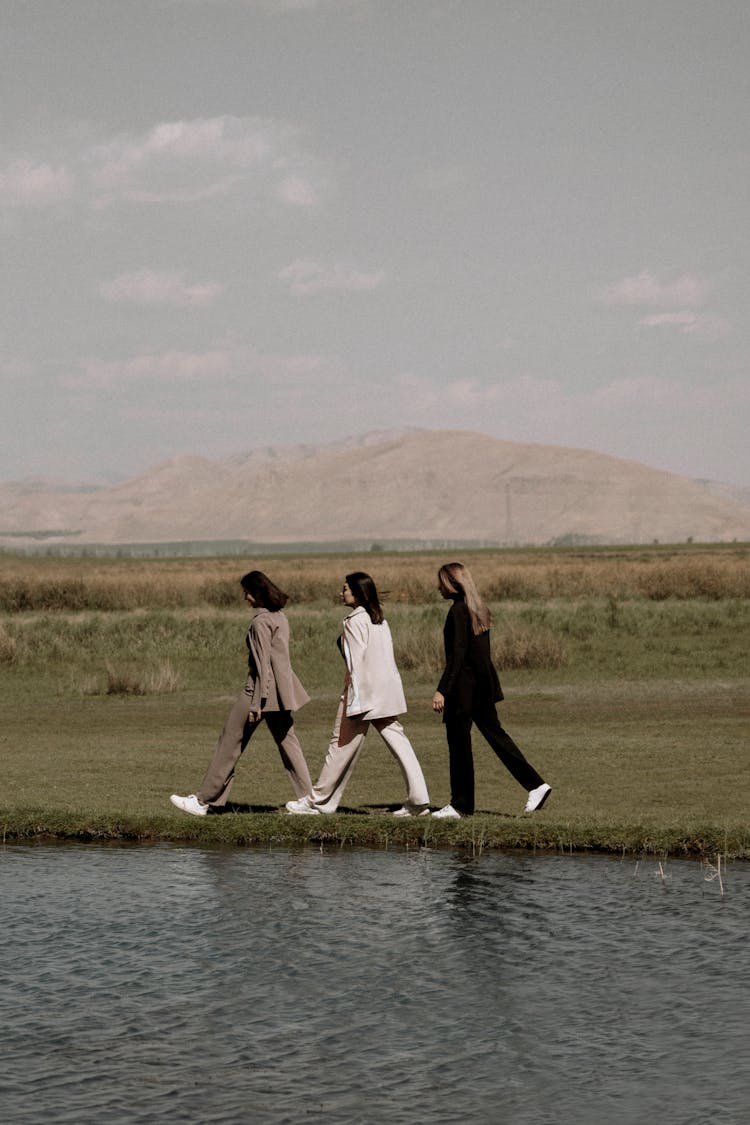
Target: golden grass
656, 573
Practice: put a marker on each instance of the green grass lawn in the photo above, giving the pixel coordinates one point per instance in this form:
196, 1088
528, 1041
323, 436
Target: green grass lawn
660, 766
636, 711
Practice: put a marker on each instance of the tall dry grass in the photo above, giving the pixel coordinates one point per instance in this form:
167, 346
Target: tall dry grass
659, 573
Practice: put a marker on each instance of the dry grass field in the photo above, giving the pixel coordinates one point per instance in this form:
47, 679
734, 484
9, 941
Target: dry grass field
108, 583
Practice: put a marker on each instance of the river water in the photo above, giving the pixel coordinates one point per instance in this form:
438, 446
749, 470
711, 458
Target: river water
199, 985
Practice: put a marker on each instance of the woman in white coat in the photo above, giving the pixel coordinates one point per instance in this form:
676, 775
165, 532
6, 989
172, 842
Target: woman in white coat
373, 693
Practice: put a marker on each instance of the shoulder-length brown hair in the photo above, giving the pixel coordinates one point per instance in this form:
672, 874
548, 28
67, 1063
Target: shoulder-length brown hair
456, 581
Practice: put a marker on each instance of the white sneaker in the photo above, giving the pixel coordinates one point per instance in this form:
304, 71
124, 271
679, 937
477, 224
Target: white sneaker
189, 804
302, 807
537, 797
447, 813
413, 810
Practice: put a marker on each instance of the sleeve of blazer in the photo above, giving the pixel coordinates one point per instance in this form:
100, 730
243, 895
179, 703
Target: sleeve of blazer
456, 638
355, 638
260, 638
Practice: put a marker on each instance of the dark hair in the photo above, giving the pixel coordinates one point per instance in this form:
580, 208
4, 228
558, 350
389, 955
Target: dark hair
264, 591
366, 594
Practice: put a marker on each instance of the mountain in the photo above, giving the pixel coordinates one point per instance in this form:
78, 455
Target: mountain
407, 485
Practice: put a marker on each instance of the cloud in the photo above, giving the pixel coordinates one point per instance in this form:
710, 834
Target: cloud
645, 289
228, 364
689, 323
455, 395
170, 366
240, 142
187, 160
26, 183
146, 287
173, 162
298, 192
677, 303
280, 6
275, 7
306, 278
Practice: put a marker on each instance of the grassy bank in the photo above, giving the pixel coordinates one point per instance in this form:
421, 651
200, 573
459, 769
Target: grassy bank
478, 834
636, 709
636, 766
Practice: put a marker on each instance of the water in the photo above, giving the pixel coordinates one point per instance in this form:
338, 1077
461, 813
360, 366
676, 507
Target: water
193, 985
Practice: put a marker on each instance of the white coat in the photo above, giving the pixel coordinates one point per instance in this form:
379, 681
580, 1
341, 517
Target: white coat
374, 690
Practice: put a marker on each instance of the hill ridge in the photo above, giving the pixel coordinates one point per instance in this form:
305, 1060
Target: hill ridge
408, 485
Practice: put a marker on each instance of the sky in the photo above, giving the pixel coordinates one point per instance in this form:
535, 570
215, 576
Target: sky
233, 224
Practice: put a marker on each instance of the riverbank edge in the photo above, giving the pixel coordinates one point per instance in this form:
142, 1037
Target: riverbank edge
482, 832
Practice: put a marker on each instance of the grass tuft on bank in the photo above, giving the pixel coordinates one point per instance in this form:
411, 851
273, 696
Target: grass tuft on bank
481, 833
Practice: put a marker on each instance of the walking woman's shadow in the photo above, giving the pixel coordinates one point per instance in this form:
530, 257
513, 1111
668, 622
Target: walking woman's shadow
240, 807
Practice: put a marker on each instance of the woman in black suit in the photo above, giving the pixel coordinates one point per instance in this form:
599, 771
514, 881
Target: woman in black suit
467, 693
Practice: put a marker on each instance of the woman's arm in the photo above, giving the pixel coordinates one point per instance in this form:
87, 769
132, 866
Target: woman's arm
456, 635
259, 639
354, 641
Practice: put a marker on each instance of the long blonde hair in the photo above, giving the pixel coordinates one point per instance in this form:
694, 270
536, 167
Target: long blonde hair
456, 580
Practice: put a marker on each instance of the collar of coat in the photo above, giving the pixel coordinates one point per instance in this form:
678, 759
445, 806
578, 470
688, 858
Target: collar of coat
355, 611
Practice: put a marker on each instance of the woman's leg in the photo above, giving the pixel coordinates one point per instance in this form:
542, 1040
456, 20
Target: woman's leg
461, 761
394, 736
489, 725
281, 726
343, 751
237, 732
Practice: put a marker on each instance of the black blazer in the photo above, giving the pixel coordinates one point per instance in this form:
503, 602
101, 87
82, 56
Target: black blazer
470, 678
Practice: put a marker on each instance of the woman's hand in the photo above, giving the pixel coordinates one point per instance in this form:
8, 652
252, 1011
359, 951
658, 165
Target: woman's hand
254, 716
438, 701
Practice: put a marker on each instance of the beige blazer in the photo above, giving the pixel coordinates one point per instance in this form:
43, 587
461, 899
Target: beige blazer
272, 684
374, 690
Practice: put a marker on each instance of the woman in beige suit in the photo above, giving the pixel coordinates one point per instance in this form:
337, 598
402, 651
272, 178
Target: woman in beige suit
271, 693
373, 693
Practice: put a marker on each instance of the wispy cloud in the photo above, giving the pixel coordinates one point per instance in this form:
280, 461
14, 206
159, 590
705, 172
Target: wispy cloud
180, 161
170, 366
298, 191
147, 287
646, 290
306, 278
689, 323
232, 363
30, 183
677, 302
273, 7
173, 162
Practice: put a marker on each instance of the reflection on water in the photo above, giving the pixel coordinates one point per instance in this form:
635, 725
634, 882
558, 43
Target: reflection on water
140, 985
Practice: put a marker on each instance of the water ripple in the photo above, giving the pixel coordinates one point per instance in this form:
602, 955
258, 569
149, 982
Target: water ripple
362, 987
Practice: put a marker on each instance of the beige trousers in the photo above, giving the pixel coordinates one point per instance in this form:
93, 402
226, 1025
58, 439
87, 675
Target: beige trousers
344, 748
237, 732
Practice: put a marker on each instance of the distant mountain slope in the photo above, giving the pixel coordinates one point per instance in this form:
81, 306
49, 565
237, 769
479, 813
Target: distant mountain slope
422, 485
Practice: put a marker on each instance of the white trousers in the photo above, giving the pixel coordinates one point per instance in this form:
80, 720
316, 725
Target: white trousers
344, 748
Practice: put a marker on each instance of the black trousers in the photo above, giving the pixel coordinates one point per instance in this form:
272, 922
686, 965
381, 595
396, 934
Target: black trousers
458, 731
